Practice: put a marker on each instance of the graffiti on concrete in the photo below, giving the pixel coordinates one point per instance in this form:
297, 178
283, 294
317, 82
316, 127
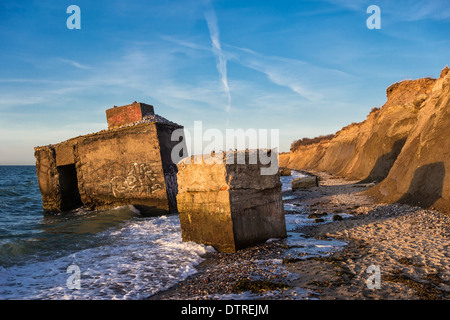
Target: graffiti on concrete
139, 179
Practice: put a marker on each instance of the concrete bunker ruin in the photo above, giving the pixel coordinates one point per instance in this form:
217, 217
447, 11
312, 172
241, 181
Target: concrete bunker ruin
227, 206
128, 164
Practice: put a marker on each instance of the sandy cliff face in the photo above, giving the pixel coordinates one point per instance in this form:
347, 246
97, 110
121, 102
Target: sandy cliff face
410, 131
421, 173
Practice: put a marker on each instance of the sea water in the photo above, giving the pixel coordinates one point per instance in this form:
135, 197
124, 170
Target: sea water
117, 253
109, 254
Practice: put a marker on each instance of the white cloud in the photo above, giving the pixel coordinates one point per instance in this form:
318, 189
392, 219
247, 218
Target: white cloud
213, 28
184, 43
402, 10
313, 83
406, 10
74, 63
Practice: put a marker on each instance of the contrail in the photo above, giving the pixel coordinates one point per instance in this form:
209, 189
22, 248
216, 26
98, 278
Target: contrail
211, 20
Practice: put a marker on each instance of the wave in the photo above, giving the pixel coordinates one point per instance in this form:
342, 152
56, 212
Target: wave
133, 261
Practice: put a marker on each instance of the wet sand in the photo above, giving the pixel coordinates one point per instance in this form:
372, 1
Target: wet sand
408, 245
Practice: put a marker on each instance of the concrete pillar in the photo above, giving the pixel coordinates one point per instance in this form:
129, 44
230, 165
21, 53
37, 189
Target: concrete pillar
228, 206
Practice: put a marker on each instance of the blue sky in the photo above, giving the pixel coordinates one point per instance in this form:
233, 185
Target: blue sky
304, 67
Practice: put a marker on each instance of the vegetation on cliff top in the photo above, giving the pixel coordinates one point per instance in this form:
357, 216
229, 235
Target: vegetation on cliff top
308, 141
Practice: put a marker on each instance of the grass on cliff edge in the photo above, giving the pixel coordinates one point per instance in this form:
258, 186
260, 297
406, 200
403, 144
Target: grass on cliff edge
307, 141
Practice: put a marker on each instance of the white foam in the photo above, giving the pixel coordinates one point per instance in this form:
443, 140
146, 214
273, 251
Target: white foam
135, 210
273, 240
139, 259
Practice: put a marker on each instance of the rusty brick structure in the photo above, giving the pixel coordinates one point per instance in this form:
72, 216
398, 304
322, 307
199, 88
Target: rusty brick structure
124, 165
120, 116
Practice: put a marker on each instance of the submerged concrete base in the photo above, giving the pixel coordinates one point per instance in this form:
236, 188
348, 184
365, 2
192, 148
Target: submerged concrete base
229, 206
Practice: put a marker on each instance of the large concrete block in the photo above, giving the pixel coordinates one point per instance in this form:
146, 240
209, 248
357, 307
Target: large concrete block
124, 166
228, 206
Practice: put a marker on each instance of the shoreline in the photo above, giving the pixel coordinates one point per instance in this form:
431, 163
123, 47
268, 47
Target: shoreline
408, 245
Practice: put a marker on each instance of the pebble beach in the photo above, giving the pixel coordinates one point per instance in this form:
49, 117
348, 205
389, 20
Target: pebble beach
336, 237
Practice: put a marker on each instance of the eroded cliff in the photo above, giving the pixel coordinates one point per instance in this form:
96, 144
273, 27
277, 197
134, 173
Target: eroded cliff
421, 173
403, 145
